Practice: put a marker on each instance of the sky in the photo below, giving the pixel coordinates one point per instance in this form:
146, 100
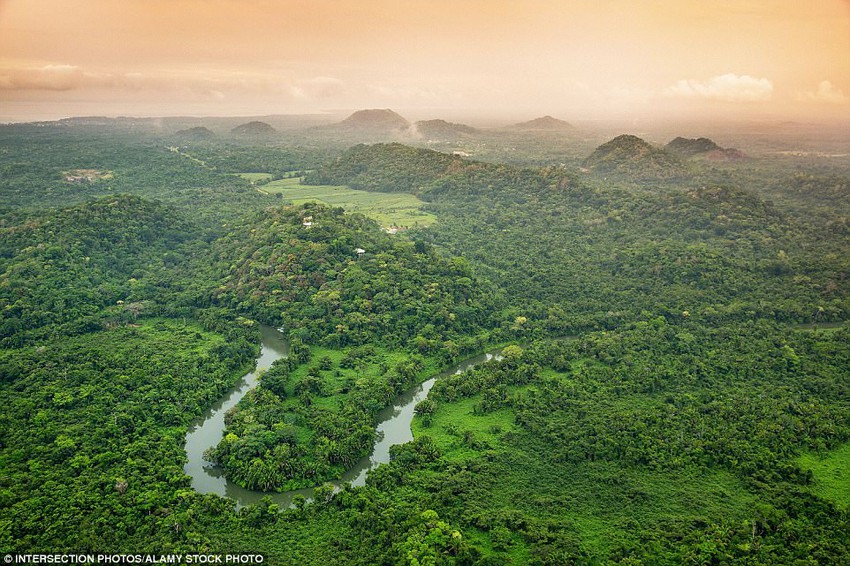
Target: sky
511, 59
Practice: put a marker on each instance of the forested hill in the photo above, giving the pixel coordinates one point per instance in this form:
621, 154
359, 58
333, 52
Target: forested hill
606, 252
380, 309
635, 158
255, 128
545, 123
690, 147
336, 278
395, 167
440, 129
703, 148
385, 167
374, 120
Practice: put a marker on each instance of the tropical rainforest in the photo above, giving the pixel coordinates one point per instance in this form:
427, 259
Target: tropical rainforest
673, 383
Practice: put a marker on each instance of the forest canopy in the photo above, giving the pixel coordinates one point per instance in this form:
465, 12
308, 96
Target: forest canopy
673, 378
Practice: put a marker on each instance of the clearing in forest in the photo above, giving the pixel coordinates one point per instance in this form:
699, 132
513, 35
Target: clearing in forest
831, 473
390, 210
256, 178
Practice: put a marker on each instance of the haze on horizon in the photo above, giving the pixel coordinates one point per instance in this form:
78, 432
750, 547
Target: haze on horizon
510, 59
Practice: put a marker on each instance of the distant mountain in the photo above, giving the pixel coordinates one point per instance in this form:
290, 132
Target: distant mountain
86, 121
630, 155
121, 123
440, 129
196, 133
704, 148
545, 123
374, 121
686, 146
254, 128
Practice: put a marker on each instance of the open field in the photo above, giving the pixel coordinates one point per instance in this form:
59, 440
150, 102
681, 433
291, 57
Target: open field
256, 178
832, 474
399, 210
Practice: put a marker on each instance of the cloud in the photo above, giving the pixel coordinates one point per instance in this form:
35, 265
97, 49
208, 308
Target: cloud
826, 92
70, 77
48, 77
729, 87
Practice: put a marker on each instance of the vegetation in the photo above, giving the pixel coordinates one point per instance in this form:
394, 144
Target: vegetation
831, 474
690, 147
582, 413
36, 159
675, 389
307, 424
336, 279
575, 254
385, 167
93, 427
254, 128
77, 269
633, 157
390, 210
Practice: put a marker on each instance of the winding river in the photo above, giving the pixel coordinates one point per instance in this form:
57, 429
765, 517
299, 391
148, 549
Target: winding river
393, 427
207, 431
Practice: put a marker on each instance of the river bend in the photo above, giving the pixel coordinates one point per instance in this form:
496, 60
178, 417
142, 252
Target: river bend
206, 432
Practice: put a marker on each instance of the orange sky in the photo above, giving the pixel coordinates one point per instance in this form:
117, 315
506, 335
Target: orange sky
576, 59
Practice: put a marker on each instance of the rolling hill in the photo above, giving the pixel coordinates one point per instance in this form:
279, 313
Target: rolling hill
634, 157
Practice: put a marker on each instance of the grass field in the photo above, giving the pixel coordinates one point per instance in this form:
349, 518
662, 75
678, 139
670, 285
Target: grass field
460, 433
832, 475
390, 210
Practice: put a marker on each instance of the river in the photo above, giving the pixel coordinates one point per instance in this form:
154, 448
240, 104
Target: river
207, 431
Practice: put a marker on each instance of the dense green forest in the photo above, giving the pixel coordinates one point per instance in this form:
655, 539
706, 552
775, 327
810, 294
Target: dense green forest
673, 386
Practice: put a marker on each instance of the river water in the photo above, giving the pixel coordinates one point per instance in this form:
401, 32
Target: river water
207, 431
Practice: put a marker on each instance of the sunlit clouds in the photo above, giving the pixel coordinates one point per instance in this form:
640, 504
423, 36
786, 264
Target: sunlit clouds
579, 59
47, 77
825, 92
729, 88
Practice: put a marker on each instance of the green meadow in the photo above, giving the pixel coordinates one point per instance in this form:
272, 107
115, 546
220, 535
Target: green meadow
831, 474
390, 210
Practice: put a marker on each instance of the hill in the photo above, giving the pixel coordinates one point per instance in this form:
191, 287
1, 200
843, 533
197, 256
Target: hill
703, 147
630, 155
545, 123
255, 128
440, 129
374, 121
383, 167
318, 246
196, 133
337, 280
686, 146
